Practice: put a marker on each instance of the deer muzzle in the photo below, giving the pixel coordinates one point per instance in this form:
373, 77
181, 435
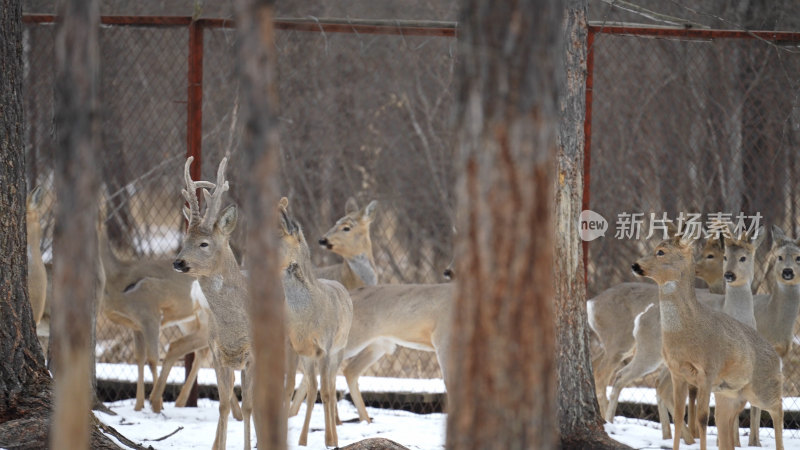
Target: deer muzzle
180, 265
730, 277
325, 243
787, 274
637, 269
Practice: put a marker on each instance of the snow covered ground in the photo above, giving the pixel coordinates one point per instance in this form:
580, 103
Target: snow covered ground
415, 431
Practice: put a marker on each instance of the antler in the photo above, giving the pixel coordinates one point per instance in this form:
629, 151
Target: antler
214, 199
192, 213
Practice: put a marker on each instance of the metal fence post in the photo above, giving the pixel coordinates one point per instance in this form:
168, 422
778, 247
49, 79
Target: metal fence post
194, 135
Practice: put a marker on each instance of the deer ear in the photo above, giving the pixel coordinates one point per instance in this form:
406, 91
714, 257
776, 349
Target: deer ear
778, 237
685, 240
283, 203
287, 226
351, 206
227, 220
672, 229
759, 235
187, 214
36, 197
370, 210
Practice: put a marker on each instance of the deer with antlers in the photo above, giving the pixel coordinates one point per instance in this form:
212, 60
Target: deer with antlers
207, 256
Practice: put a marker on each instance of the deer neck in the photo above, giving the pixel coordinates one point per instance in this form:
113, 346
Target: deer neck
717, 287
360, 270
299, 283
739, 304
678, 305
226, 290
34, 240
784, 303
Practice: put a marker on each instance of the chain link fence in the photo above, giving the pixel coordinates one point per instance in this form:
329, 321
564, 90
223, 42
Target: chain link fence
693, 123
363, 116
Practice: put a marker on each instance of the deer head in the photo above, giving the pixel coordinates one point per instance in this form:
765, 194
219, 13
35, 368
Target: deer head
709, 264
349, 236
671, 261
739, 259
295, 257
786, 256
206, 242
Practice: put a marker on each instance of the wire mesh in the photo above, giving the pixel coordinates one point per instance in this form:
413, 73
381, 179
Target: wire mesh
693, 126
362, 116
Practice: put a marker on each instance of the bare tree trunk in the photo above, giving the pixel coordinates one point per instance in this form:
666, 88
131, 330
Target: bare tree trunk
257, 64
25, 385
74, 235
579, 419
501, 372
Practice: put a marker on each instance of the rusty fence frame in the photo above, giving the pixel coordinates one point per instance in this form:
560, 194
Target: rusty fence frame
194, 98
445, 29
772, 37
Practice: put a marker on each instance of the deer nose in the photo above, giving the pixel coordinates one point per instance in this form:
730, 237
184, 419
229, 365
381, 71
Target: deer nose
637, 269
730, 277
325, 243
448, 274
787, 274
180, 265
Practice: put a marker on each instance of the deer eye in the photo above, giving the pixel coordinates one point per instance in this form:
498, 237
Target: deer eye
797, 260
780, 258
346, 229
660, 253
204, 244
743, 259
711, 256
724, 258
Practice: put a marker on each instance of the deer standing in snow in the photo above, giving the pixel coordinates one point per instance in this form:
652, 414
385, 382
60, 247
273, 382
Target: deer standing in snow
207, 256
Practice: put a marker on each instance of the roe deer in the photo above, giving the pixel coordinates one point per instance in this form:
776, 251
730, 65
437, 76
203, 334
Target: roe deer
612, 314
739, 269
709, 349
145, 295
37, 275
319, 316
349, 238
207, 256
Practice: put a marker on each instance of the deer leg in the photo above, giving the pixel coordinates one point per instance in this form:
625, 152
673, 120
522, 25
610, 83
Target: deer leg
703, 400
725, 416
310, 378
664, 399
224, 387
291, 371
139, 355
177, 349
692, 413
247, 403
679, 391
604, 373
755, 425
150, 330
776, 413
328, 394
355, 367
644, 361
200, 356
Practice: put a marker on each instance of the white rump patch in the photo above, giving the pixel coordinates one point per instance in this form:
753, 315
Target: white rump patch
198, 298
590, 314
638, 318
